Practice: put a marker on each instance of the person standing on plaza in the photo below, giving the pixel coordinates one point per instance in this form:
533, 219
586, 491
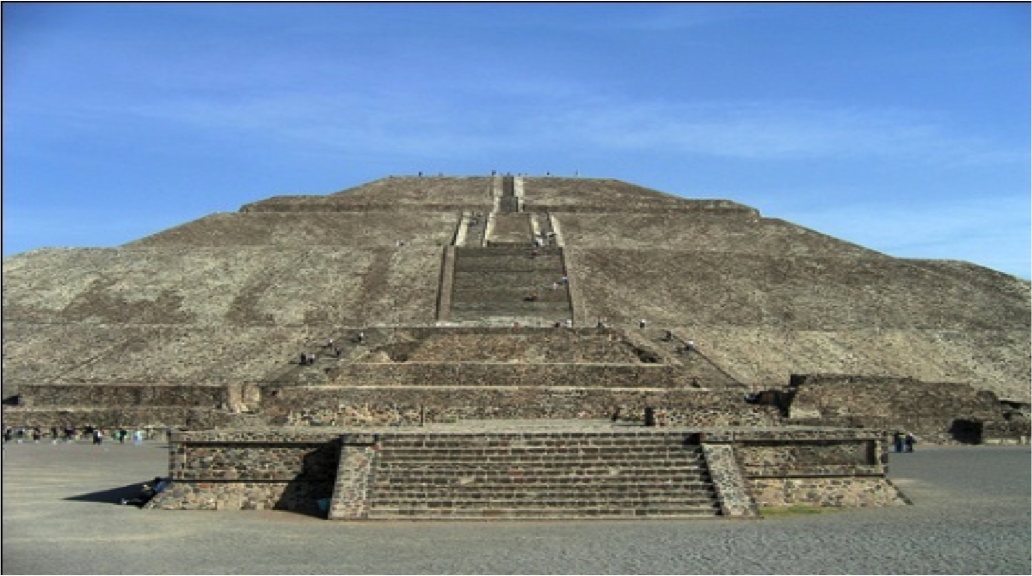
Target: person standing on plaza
909, 440
898, 439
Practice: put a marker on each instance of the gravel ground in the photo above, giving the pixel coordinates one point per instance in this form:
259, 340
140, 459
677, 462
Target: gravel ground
971, 515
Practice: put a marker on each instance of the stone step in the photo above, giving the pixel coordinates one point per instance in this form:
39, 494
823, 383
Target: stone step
566, 513
674, 443
540, 458
549, 311
534, 280
571, 501
516, 489
659, 453
548, 267
543, 461
571, 476
562, 476
515, 299
509, 293
503, 250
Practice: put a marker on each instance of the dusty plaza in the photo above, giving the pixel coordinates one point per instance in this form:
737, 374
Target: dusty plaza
970, 515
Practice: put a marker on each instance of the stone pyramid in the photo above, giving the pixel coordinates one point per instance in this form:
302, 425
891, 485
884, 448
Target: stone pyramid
458, 283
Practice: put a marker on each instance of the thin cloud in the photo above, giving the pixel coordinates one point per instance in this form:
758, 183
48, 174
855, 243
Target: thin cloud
411, 123
994, 232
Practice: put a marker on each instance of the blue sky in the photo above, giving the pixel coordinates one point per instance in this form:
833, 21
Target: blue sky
901, 127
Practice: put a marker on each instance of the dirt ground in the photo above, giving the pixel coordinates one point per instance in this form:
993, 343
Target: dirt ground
971, 515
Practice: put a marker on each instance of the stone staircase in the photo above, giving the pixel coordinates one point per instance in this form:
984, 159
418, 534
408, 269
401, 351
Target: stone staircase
539, 475
496, 282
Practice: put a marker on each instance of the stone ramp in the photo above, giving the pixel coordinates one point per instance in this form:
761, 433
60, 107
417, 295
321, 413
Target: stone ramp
526, 474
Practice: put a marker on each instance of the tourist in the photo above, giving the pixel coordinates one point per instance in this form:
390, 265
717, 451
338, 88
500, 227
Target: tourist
98, 436
36, 434
899, 439
909, 441
641, 323
122, 433
8, 432
138, 438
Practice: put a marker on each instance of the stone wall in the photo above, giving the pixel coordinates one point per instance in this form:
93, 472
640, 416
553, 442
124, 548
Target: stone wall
436, 374
839, 492
132, 417
124, 395
250, 470
811, 466
1004, 432
934, 411
357, 406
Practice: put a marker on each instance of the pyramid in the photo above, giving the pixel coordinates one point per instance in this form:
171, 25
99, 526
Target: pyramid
482, 297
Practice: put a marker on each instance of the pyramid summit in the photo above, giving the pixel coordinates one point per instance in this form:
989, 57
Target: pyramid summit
439, 297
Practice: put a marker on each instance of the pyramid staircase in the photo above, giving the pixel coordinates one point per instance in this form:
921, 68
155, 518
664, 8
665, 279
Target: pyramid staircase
538, 475
509, 283
510, 271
